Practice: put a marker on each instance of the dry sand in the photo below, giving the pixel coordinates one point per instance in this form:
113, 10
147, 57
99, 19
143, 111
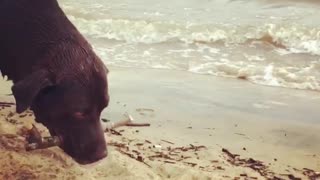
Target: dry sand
193, 117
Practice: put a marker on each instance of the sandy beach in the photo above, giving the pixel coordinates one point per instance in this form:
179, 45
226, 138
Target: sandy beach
199, 126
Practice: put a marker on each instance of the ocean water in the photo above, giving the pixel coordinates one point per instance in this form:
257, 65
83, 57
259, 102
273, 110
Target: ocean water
268, 42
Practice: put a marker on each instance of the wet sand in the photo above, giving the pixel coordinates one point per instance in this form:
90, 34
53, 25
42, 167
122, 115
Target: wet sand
277, 126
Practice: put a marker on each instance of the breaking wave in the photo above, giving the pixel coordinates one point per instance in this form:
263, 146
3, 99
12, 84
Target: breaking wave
279, 52
293, 37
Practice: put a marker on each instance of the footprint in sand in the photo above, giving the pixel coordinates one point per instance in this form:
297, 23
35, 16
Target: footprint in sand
146, 112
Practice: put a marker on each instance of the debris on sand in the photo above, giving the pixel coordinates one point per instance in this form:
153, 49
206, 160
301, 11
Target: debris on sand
36, 141
6, 104
309, 173
263, 170
126, 122
255, 165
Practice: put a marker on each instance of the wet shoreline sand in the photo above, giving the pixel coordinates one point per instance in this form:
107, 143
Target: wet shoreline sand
189, 108
277, 126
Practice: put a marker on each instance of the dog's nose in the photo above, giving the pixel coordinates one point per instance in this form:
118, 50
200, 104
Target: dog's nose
92, 158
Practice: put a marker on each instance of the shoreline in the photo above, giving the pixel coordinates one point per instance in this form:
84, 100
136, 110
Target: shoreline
228, 105
277, 126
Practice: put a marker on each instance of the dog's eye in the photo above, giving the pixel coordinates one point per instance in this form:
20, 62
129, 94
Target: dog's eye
79, 115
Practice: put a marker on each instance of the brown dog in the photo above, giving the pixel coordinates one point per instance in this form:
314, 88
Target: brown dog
56, 73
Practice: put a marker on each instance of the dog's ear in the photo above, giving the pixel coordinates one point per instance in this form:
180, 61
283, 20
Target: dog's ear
27, 89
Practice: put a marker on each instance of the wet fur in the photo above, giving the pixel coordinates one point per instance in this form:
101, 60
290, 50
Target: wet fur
52, 65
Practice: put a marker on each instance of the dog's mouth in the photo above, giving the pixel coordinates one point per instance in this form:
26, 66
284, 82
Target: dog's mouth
76, 150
